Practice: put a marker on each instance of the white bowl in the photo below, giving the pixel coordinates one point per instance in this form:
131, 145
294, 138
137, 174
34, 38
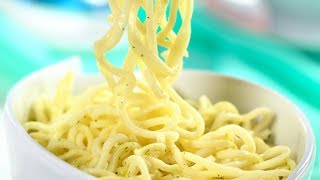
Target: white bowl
29, 160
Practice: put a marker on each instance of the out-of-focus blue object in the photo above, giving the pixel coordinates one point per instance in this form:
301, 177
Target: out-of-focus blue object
72, 25
214, 46
74, 5
294, 21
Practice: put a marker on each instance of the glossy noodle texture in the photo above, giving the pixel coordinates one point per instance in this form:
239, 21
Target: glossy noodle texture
141, 128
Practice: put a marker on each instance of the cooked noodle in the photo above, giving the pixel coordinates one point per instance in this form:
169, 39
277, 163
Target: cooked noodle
140, 127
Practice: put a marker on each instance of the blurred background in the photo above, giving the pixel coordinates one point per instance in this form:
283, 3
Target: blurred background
273, 43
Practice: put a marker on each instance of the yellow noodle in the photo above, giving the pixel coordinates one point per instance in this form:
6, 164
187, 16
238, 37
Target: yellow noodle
140, 127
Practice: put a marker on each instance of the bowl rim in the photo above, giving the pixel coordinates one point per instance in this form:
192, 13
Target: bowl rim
305, 163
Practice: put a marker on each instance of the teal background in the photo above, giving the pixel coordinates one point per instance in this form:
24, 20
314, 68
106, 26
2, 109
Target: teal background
215, 46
